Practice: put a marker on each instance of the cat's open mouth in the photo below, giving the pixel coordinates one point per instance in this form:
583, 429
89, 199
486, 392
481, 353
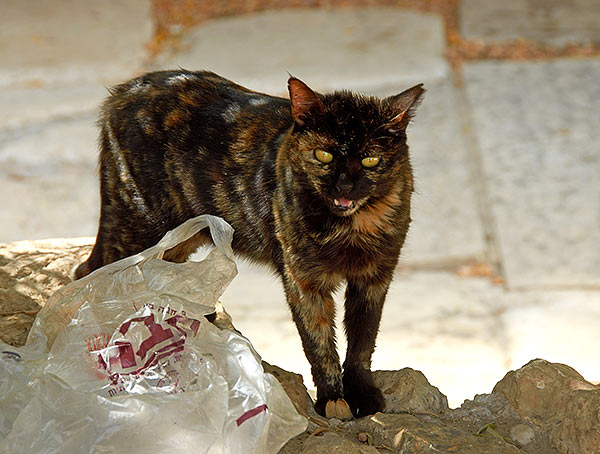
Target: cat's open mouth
343, 204
345, 207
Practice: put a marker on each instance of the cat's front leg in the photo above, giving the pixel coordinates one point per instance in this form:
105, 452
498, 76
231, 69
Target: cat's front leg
313, 311
363, 307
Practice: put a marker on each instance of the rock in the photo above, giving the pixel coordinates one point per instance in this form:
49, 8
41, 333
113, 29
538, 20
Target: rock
555, 397
332, 443
222, 319
493, 410
294, 387
579, 428
427, 434
522, 434
408, 390
335, 422
30, 271
483, 408
537, 390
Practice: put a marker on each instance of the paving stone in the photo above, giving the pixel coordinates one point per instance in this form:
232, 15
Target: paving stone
49, 181
22, 106
446, 225
558, 326
553, 22
328, 49
69, 40
50, 206
537, 128
36, 148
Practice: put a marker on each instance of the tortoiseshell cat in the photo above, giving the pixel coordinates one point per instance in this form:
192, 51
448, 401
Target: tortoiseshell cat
317, 186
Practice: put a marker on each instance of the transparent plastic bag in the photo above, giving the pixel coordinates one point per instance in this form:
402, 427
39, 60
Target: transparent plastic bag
124, 360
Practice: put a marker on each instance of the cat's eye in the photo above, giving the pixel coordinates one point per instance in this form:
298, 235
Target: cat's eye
323, 156
370, 161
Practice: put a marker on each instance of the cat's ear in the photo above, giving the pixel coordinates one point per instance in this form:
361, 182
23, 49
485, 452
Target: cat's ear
401, 108
305, 102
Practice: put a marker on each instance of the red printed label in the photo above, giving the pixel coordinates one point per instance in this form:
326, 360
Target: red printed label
143, 343
250, 414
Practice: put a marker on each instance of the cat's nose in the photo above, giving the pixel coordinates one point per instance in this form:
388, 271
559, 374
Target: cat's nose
344, 187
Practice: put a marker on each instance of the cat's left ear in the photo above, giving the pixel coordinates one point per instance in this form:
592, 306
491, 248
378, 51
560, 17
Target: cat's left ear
305, 102
401, 108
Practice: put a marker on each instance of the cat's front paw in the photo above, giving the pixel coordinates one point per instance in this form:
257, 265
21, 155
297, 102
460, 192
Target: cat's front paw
337, 408
365, 402
361, 393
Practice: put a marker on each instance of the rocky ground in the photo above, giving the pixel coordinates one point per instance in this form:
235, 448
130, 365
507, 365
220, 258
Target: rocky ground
541, 408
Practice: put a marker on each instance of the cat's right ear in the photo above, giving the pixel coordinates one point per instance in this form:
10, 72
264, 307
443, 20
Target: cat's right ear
402, 108
305, 102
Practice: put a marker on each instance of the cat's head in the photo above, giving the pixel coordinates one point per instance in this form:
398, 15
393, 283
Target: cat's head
351, 148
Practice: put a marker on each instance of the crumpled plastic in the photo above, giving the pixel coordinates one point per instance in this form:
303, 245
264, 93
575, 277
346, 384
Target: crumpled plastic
124, 360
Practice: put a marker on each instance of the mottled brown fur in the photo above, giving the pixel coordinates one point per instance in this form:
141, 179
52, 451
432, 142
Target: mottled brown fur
176, 144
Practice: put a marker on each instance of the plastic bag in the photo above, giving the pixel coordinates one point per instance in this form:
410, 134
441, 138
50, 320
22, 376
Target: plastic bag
124, 360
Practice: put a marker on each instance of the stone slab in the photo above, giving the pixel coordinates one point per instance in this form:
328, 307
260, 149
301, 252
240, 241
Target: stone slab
70, 40
328, 49
49, 181
48, 206
25, 106
552, 22
558, 326
446, 225
35, 149
537, 128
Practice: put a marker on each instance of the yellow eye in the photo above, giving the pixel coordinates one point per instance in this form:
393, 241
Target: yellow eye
371, 161
323, 156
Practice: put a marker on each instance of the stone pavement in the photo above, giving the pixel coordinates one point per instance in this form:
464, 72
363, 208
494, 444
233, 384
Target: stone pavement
505, 155
552, 22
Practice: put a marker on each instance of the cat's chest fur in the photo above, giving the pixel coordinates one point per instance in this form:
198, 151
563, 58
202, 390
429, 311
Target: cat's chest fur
349, 247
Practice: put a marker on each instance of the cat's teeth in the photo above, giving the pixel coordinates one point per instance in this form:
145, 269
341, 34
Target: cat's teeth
345, 204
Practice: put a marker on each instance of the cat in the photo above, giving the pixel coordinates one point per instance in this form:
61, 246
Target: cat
318, 186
